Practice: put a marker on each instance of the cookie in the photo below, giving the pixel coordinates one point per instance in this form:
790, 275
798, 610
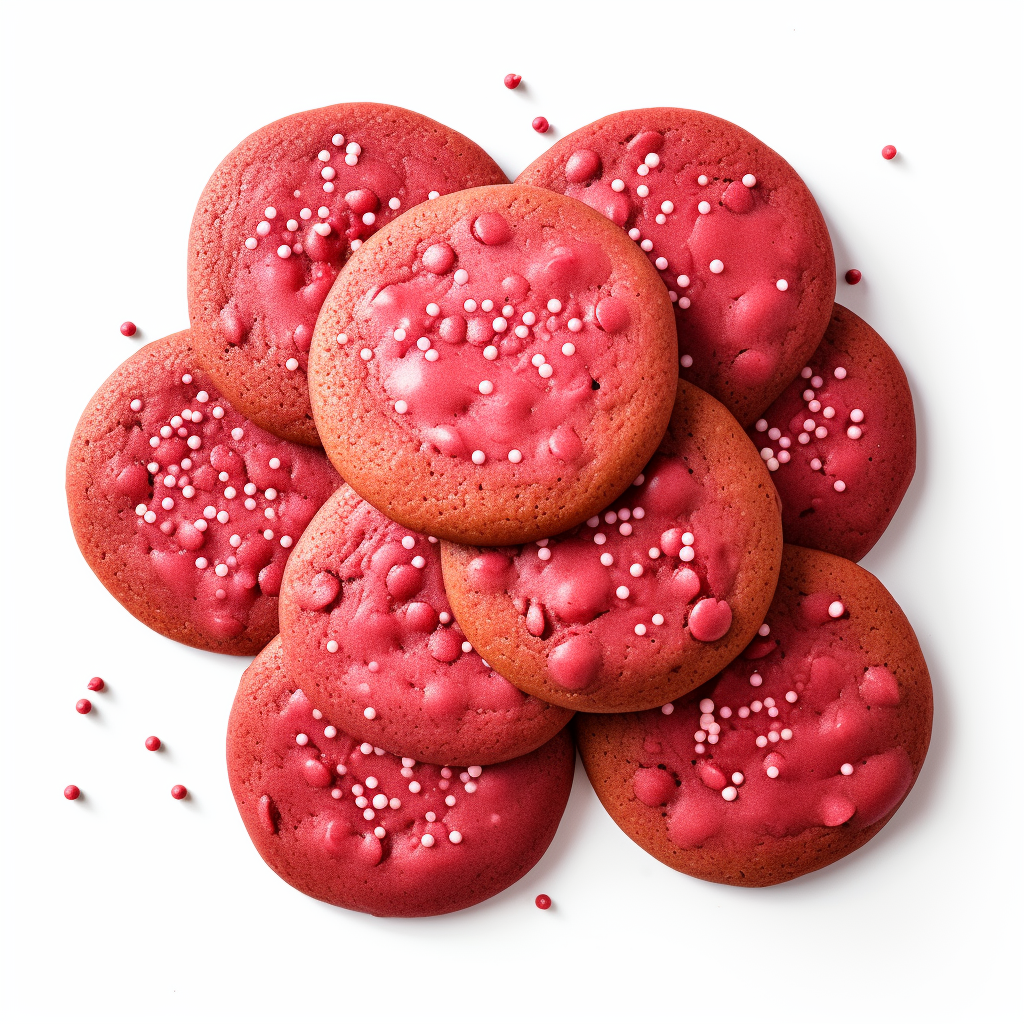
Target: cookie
278, 219
841, 441
735, 234
184, 509
795, 755
494, 366
646, 600
352, 825
369, 635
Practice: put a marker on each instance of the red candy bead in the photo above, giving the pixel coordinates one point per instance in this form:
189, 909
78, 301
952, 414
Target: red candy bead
72, 792
540, 124
96, 684
543, 901
128, 328
512, 81
83, 707
179, 792
853, 276
152, 742
888, 152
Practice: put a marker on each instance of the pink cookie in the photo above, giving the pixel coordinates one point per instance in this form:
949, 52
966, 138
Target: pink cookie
355, 826
368, 633
841, 441
278, 219
646, 600
733, 231
183, 508
795, 755
494, 367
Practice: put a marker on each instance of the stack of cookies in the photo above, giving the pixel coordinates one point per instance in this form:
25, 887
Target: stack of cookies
462, 460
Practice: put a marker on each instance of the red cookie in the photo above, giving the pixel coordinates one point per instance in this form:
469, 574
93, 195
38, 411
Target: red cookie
646, 600
841, 441
279, 218
369, 634
355, 826
183, 508
734, 232
795, 755
494, 367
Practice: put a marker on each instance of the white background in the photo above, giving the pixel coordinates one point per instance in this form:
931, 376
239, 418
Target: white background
128, 905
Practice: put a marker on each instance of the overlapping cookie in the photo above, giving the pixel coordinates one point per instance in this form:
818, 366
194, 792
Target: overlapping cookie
495, 366
646, 600
735, 234
358, 827
281, 214
841, 441
792, 757
369, 635
184, 509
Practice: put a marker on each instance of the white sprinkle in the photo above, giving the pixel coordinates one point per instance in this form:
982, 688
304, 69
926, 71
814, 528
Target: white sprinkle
568, 349
847, 769
771, 771
607, 558
599, 538
490, 352
478, 458
840, 486
839, 373
292, 364
554, 306
461, 276
251, 243
408, 542
369, 713
716, 266
647, 245
643, 192
640, 629
622, 593
302, 739
575, 324
515, 456
703, 207
286, 541
433, 195
545, 370
702, 179
749, 180
394, 203
729, 793
401, 407
284, 251
836, 609
643, 170
274, 463
661, 263
667, 709
427, 840
485, 387
857, 416
636, 569
332, 646
618, 185
782, 284
667, 206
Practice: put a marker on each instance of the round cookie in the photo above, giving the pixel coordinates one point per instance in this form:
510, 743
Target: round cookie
646, 600
355, 826
368, 633
795, 755
494, 366
278, 219
737, 237
841, 441
184, 509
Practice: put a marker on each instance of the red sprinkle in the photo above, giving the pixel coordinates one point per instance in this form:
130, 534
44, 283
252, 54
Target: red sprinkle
888, 152
853, 276
540, 124
543, 901
72, 792
512, 81
128, 328
83, 707
152, 742
179, 792
96, 684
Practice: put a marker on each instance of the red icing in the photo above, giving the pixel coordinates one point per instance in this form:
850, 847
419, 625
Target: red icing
96, 683
199, 449
540, 124
844, 713
572, 599
512, 81
739, 315
399, 649
457, 400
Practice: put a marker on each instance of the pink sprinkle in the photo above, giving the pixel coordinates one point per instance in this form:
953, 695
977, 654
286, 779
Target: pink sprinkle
128, 328
512, 81
540, 124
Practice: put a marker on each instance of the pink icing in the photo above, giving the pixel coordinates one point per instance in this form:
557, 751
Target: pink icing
598, 616
371, 620
739, 315
225, 498
805, 735
499, 348
305, 216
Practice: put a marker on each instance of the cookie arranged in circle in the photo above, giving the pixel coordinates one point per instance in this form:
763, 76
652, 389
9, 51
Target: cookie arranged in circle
793, 756
495, 366
278, 219
369, 634
647, 599
732, 229
184, 509
841, 441
355, 826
